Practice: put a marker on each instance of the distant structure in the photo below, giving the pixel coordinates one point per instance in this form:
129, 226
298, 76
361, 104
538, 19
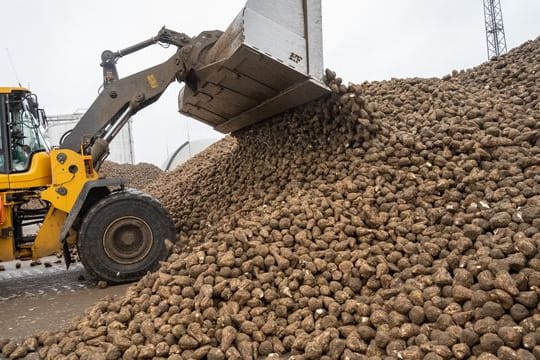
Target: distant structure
495, 37
121, 148
185, 152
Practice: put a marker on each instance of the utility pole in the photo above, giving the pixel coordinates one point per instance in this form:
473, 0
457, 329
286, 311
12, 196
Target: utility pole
495, 37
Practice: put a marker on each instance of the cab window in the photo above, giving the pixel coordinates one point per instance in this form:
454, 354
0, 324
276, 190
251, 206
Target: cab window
24, 134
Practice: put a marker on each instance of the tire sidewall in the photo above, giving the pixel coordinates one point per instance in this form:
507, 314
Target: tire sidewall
116, 205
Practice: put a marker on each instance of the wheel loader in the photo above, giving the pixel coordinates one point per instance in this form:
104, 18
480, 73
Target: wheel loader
269, 60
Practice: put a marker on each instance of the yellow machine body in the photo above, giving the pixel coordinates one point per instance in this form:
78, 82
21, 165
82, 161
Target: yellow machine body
60, 187
54, 177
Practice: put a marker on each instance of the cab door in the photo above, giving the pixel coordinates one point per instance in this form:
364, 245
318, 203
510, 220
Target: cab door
29, 164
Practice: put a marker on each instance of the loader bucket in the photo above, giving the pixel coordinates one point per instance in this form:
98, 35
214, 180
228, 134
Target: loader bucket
268, 61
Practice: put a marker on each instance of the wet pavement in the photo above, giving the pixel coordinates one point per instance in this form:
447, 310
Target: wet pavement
36, 298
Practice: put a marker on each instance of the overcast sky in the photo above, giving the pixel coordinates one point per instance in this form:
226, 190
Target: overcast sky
55, 46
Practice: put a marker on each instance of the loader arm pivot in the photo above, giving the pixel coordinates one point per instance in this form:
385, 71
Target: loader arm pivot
122, 98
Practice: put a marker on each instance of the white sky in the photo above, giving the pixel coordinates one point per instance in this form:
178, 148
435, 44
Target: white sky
56, 45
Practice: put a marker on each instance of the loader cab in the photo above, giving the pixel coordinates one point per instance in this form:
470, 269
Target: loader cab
21, 123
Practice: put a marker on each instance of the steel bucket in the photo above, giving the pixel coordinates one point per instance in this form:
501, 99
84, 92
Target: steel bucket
268, 61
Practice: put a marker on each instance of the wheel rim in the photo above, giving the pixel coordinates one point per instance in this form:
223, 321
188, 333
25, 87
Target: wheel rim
128, 240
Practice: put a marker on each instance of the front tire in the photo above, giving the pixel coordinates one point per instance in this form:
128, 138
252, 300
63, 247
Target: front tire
122, 236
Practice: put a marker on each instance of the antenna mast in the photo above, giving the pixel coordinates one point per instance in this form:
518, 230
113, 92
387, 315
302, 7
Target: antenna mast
495, 37
13, 66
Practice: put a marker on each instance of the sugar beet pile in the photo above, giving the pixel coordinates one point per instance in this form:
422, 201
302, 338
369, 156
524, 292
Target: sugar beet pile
137, 176
394, 219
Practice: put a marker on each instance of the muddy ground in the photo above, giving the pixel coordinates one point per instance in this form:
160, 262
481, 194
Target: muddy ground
45, 298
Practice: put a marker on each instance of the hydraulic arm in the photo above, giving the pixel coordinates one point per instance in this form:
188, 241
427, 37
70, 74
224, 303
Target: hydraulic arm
120, 99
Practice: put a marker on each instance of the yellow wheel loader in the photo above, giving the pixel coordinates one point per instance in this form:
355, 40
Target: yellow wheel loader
269, 60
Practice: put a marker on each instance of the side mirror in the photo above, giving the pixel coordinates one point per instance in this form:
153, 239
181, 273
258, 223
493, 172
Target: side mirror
33, 103
42, 118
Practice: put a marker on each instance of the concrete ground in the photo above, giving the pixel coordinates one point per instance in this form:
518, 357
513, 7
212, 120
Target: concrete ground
36, 298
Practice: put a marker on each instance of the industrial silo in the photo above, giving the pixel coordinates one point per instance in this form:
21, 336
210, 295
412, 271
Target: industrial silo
121, 148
